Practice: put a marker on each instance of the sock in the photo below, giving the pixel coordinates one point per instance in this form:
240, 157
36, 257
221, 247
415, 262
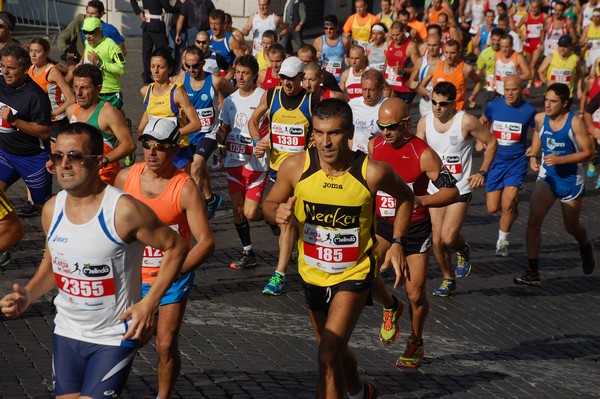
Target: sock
360, 394
281, 274
249, 249
395, 304
529, 85
502, 235
243, 230
533, 265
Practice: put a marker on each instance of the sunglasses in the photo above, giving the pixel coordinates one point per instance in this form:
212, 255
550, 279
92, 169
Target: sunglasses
441, 103
392, 126
194, 66
89, 32
201, 41
157, 146
72, 156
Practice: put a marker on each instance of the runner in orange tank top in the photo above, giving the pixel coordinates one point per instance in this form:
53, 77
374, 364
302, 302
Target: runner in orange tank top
454, 70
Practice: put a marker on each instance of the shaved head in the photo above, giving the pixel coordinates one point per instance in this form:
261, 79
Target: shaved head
393, 109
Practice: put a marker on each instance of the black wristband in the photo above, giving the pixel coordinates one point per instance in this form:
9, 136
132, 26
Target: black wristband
400, 240
483, 173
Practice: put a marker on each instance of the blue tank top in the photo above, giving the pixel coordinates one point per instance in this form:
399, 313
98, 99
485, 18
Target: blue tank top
484, 36
561, 142
332, 58
205, 102
510, 126
222, 47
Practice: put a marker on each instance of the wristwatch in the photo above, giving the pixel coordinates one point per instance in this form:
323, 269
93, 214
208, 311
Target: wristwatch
105, 161
400, 240
483, 173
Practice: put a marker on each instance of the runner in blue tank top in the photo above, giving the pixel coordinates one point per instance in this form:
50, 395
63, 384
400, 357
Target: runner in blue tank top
565, 144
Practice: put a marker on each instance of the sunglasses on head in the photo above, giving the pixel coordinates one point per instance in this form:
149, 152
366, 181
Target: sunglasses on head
441, 103
157, 146
392, 126
201, 41
194, 66
88, 32
72, 156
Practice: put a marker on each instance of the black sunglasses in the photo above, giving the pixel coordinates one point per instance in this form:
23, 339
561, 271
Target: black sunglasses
72, 156
392, 126
201, 41
157, 146
194, 66
441, 103
89, 32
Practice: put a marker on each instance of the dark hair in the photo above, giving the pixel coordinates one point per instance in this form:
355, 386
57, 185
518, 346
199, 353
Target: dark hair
560, 3
96, 144
249, 61
436, 27
165, 53
97, 4
502, 6
228, 19
20, 54
45, 45
332, 19
453, 43
498, 32
561, 90
374, 75
489, 10
193, 50
445, 89
10, 19
89, 71
276, 48
217, 14
503, 17
309, 47
509, 38
335, 108
270, 34
404, 13
398, 25
445, 15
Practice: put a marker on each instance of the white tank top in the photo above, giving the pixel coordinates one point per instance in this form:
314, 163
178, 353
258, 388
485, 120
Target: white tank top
587, 15
552, 36
502, 70
260, 26
236, 113
353, 86
425, 105
364, 117
456, 152
477, 9
98, 275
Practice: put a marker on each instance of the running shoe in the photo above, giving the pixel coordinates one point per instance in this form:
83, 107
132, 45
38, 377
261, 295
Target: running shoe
389, 331
447, 288
370, 392
591, 171
588, 261
537, 83
275, 285
526, 92
529, 278
247, 261
28, 211
413, 355
502, 248
463, 267
6, 256
212, 204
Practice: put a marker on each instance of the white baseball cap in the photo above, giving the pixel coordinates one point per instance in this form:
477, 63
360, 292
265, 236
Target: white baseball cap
162, 130
291, 66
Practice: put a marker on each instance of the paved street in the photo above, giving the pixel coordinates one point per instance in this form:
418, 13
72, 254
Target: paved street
491, 340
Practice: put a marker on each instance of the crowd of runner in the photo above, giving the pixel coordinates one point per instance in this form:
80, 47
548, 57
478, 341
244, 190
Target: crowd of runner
315, 138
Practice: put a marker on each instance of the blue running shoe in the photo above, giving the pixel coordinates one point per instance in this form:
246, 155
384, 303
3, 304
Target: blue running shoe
447, 288
591, 171
463, 266
212, 204
275, 285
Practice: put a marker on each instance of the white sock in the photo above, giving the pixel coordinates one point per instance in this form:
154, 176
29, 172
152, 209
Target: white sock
281, 274
502, 235
359, 394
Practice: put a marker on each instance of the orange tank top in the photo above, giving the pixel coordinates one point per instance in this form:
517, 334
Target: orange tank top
457, 79
167, 207
50, 88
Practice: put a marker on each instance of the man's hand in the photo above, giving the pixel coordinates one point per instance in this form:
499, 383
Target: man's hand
395, 256
93, 58
476, 180
533, 164
285, 211
552, 160
261, 148
7, 114
142, 321
15, 303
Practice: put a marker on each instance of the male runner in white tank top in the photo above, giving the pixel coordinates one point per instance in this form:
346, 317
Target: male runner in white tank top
451, 134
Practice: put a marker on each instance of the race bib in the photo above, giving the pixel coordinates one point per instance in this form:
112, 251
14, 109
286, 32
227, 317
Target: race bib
236, 147
386, 204
560, 75
333, 67
288, 138
594, 45
332, 251
534, 31
551, 46
153, 256
85, 283
454, 164
207, 119
507, 133
392, 78
5, 127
